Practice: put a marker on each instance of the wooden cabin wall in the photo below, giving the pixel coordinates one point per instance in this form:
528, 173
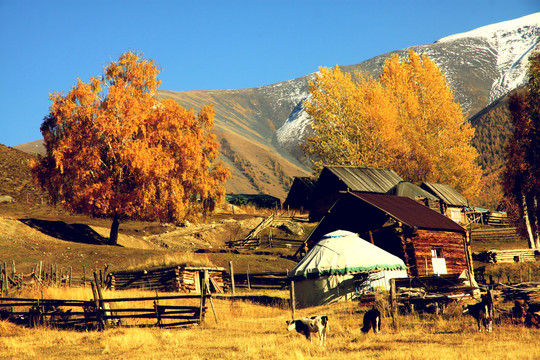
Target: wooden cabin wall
452, 250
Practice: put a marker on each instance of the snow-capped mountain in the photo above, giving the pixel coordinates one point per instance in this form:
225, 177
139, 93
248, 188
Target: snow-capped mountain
481, 66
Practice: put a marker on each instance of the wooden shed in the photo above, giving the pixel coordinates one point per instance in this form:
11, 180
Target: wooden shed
300, 193
185, 279
335, 179
452, 203
428, 242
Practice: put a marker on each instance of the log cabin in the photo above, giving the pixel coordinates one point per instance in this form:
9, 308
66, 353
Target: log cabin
428, 242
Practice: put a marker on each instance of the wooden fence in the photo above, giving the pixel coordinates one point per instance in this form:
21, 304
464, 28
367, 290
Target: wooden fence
267, 280
101, 313
47, 275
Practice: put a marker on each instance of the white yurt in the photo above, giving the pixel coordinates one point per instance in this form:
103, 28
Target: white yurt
334, 268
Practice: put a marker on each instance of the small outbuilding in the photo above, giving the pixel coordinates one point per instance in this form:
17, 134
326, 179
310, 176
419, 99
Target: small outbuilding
452, 203
300, 193
339, 265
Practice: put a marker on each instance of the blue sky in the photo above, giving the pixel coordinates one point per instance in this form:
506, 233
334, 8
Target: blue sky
47, 45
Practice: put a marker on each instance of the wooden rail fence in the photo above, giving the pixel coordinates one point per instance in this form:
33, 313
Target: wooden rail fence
268, 280
44, 274
101, 313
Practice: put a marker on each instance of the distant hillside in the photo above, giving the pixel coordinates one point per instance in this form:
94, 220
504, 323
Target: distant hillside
15, 178
493, 126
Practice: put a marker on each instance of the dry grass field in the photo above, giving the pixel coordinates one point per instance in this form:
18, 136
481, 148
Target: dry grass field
245, 330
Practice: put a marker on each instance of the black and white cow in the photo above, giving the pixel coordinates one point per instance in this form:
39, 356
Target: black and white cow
309, 325
372, 320
482, 312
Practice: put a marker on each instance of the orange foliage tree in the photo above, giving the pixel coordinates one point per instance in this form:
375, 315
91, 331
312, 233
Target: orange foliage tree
113, 150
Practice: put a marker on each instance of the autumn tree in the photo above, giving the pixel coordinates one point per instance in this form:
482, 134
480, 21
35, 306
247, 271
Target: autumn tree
521, 176
353, 121
407, 120
113, 150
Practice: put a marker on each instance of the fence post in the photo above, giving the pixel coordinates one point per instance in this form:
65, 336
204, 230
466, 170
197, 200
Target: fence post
203, 298
231, 269
207, 286
393, 302
6, 278
156, 309
293, 299
101, 304
247, 276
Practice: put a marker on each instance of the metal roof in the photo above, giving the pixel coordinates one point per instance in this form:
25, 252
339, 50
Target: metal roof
446, 193
366, 179
408, 189
410, 212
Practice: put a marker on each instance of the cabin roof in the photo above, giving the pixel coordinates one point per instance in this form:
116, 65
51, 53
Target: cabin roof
410, 212
365, 179
446, 193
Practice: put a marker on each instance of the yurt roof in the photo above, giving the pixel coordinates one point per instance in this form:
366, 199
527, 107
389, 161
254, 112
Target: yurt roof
343, 252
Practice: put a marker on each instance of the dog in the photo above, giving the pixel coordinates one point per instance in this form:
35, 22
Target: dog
482, 312
309, 325
372, 320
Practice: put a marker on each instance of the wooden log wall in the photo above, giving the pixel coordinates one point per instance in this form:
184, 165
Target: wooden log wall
451, 244
184, 279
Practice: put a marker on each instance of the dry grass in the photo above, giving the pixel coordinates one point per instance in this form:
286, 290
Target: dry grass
249, 331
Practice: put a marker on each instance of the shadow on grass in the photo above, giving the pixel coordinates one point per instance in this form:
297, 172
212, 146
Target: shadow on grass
79, 233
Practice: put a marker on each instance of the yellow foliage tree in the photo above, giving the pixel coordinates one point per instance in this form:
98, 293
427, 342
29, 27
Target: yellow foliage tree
352, 119
432, 125
407, 121
115, 151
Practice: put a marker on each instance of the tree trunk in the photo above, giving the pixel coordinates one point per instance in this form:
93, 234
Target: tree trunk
536, 225
527, 220
113, 237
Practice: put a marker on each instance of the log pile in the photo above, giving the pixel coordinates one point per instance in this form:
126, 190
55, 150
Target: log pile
507, 256
186, 279
495, 234
430, 293
529, 291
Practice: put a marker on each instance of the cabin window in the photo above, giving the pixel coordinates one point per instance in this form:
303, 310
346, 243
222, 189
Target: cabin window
438, 261
436, 252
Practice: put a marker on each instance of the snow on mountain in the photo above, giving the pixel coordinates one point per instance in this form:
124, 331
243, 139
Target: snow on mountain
480, 66
512, 41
